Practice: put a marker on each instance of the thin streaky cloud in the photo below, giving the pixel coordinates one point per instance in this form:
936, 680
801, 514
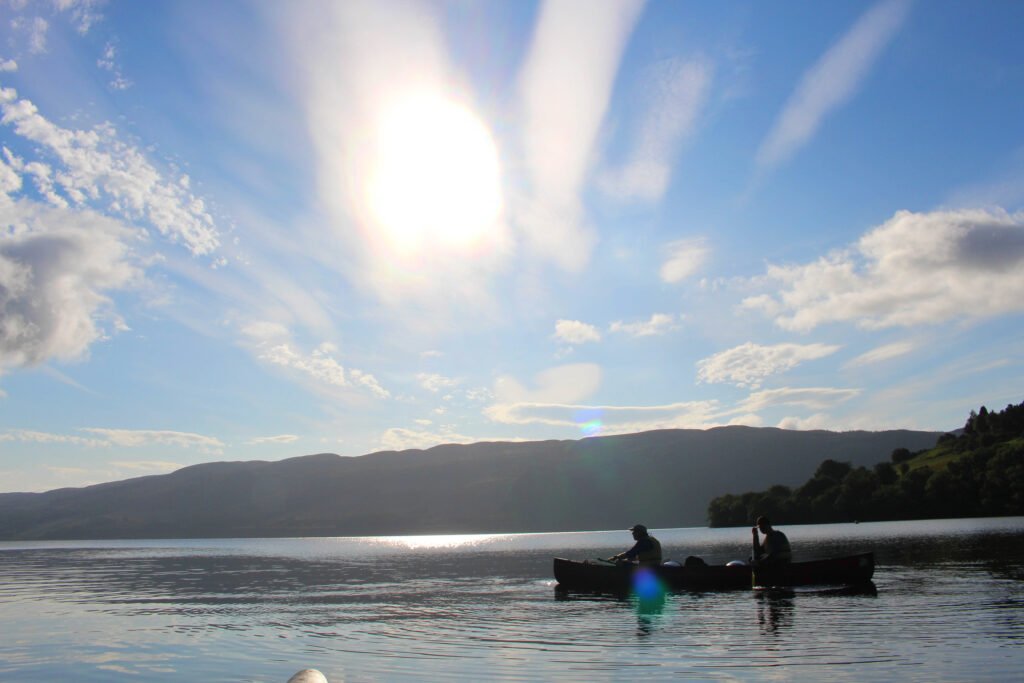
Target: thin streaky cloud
567, 83
882, 353
156, 466
135, 438
812, 398
658, 324
64, 379
279, 439
833, 80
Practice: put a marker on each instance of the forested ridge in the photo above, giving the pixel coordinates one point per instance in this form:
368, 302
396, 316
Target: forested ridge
978, 472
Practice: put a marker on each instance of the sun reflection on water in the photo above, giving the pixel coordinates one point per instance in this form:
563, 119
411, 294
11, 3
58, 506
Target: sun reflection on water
435, 541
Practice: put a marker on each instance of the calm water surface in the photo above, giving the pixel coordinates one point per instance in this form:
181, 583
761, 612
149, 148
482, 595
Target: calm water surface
948, 605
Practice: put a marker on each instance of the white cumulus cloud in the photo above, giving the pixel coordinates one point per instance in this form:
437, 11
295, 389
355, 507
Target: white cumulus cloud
576, 332
916, 268
683, 258
58, 269
95, 165
321, 366
816, 421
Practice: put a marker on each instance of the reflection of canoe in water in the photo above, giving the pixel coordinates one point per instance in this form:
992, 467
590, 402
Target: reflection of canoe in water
602, 577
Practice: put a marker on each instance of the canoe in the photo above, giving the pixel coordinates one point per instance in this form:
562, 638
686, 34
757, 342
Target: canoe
601, 577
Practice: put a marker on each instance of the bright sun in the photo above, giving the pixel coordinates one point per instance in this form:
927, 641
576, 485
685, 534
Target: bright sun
435, 178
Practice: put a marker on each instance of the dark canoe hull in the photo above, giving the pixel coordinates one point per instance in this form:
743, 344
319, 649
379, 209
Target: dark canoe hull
606, 578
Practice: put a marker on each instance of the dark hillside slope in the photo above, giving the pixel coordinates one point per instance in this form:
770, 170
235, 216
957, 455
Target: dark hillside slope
662, 478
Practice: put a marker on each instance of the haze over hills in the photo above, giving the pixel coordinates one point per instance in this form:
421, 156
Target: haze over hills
661, 478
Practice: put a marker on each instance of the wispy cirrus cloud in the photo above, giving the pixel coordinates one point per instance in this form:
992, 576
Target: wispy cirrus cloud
747, 365
566, 84
916, 268
833, 80
677, 91
34, 31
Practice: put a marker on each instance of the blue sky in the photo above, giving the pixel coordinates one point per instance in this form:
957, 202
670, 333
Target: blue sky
240, 231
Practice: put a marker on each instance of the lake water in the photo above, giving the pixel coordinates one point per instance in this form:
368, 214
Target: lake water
948, 605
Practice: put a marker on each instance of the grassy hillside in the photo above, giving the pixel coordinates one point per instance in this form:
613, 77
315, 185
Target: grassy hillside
663, 479
978, 473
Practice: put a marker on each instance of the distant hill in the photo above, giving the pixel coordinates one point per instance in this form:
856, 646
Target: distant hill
661, 478
977, 471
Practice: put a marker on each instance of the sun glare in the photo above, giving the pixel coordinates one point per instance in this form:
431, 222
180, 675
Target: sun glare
435, 179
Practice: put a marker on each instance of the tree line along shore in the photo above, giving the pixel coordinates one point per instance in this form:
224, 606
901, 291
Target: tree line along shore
976, 472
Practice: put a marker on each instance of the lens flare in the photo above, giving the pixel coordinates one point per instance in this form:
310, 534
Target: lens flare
646, 585
589, 422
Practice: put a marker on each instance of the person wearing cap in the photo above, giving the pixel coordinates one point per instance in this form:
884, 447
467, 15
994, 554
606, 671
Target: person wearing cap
646, 550
775, 547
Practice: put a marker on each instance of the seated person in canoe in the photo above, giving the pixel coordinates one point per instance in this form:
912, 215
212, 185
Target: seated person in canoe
774, 549
646, 551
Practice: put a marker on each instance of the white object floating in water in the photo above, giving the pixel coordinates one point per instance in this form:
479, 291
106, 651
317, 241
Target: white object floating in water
736, 563
308, 676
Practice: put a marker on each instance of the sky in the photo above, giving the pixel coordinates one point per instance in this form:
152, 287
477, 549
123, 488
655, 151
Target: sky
259, 230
